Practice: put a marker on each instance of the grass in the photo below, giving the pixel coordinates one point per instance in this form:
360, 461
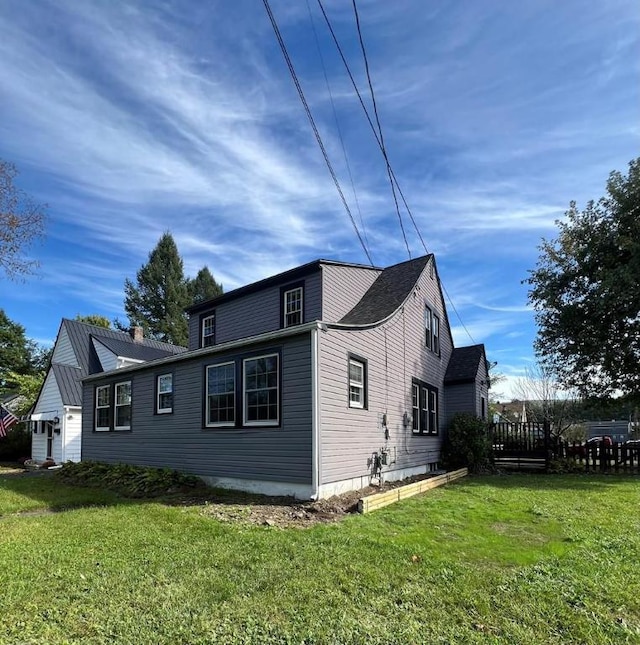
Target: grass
517, 559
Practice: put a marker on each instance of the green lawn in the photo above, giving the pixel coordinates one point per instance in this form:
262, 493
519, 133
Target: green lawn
512, 559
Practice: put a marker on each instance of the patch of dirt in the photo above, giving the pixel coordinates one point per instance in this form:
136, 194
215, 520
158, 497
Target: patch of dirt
287, 512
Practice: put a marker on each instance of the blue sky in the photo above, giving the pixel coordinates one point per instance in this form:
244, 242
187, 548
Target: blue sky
132, 118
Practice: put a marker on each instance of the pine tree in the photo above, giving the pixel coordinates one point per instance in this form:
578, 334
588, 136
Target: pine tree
158, 300
204, 286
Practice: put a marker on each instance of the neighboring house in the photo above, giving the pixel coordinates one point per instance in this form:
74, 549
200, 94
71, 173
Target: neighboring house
619, 431
81, 350
308, 383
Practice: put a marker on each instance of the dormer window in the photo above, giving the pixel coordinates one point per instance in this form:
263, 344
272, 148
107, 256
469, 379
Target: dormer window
292, 307
208, 324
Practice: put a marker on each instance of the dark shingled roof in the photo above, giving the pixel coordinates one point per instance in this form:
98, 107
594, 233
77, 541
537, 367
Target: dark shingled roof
387, 293
80, 337
463, 364
68, 380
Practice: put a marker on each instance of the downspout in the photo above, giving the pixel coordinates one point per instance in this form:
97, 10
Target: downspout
315, 414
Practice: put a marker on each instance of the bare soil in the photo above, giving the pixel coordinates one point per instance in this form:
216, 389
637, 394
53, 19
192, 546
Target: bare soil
287, 512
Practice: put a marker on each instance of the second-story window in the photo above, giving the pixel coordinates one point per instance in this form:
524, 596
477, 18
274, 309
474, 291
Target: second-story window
436, 334
428, 327
292, 305
208, 330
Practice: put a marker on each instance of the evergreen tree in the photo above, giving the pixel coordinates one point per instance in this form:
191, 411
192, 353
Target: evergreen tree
204, 286
158, 300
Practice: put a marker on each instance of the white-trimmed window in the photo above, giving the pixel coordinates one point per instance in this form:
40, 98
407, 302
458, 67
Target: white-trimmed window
415, 407
357, 383
122, 410
221, 395
293, 307
165, 394
436, 334
103, 407
428, 327
261, 390
208, 325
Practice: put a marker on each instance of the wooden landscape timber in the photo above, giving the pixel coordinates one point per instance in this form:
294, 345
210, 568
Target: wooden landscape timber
380, 500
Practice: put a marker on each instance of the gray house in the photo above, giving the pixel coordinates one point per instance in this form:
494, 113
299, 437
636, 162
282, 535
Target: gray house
308, 383
80, 350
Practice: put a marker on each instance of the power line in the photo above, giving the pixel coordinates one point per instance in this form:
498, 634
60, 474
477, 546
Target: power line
382, 147
335, 117
294, 76
375, 111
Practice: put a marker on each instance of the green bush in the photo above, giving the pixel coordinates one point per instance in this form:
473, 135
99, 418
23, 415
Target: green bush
127, 480
468, 443
16, 445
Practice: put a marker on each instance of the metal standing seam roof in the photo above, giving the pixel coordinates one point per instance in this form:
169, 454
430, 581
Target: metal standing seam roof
464, 364
136, 351
68, 380
80, 335
390, 289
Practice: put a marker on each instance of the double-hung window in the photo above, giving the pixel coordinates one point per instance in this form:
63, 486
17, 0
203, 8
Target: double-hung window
436, 334
103, 407
261, 390
208, 325
293, 307
357, 382
122, 414
164, 386
221, 395
424, 408
428, 327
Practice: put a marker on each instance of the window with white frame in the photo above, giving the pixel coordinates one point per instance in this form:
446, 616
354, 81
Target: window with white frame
103, 407
165, 394
208, 324
428, 327
357, 382
424, 408
261, 390
122, 410
221, 395
436, 334
293, 307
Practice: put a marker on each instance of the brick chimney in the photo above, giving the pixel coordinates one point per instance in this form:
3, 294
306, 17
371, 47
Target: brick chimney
137, 333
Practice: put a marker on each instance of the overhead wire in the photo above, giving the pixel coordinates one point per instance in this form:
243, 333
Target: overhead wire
296, 82
375, 111
338, 128
383, 150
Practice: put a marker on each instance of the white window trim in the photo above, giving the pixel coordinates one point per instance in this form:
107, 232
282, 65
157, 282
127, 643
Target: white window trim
220, 424
202, 328
102, 407
301, 310
117, 405
436, 334
359, 405
415, 409
268, 422
160, 410
428, 327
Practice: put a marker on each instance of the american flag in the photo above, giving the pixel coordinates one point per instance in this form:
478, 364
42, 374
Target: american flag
6, 420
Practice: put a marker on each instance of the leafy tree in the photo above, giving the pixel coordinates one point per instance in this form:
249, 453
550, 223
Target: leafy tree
158, 300
94, 319
28, 386
15, 352
21, 223
204, 286
467, 443
586, 293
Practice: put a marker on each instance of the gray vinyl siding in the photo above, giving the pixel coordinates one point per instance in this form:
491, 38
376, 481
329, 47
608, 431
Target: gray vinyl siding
257, 313
461, 398
350, 436
343, 287
178, 440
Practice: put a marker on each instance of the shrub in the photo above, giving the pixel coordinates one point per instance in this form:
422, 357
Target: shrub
129, 481
16, 444
468, 443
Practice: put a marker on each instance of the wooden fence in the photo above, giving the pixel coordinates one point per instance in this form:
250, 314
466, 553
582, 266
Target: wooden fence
599, 456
